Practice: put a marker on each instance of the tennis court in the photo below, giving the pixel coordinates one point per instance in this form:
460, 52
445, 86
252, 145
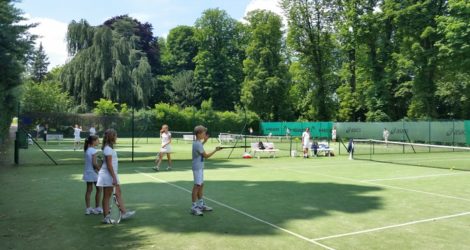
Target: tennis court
267, 203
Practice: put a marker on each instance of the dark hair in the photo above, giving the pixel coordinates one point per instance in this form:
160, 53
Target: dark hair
89, 141
109, 138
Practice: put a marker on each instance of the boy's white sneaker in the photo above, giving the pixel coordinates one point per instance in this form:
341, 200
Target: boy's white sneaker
128, 215
156, 168
88, 211
205, 208
168, 168
196, 211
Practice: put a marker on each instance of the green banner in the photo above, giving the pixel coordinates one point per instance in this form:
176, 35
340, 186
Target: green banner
317, 129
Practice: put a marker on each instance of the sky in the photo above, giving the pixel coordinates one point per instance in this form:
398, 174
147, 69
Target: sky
53, 16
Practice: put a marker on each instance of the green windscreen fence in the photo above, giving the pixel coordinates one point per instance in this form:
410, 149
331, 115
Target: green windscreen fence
430, 132
317, 129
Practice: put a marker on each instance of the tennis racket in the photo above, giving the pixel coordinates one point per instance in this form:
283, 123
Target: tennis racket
222, 147
115, 209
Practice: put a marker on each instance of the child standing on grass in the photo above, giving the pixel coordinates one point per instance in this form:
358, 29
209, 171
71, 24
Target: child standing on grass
76, 137
90, 174
108, 177
199, 154
165, 136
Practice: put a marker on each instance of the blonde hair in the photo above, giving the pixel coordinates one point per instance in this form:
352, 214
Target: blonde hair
163, 127
199, 129
109, 138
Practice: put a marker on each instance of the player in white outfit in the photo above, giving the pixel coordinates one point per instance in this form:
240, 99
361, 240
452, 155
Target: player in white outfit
108, 177
76, 137
90, 174
165, 136
306, 141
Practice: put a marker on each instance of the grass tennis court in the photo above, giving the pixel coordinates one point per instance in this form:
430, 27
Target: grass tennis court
281, 203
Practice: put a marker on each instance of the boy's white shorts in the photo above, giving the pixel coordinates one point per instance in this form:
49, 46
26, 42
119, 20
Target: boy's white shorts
198, 176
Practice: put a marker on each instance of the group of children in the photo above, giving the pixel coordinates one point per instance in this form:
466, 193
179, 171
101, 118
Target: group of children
103, 174
198, 155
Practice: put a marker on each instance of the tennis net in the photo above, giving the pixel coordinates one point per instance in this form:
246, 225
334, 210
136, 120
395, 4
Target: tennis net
415, 154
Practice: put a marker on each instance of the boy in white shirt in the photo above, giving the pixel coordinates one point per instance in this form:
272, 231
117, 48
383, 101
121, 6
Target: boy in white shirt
306, 141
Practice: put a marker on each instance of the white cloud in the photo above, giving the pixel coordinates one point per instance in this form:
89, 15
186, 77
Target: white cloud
272, 5
52, 35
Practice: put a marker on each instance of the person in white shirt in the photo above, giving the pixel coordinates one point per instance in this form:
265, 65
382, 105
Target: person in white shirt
385, 135
76, 137
108, 177
306, 141
333, 134
90, 174
92, 130
165, 136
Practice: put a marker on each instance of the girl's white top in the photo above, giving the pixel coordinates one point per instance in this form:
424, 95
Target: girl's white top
89, 174
104, 177
166, 137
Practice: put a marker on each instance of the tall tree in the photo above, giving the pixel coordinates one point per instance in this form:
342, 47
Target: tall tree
15, 46
311, 25
39, 64
218, 71
182, 47
266, 84
114, 60
453, 85
417, 34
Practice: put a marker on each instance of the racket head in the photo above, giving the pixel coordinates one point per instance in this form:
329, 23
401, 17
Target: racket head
115, 210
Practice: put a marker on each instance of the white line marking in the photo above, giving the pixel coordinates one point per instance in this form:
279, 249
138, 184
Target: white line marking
391, 226
413, 177
399, 188
241, 212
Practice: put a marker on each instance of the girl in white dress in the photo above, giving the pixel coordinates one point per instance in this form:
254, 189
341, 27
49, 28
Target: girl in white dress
165, 136
90, 174
108, 177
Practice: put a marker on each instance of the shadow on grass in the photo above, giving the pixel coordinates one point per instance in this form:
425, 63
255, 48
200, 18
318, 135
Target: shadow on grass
43, 208
166, 208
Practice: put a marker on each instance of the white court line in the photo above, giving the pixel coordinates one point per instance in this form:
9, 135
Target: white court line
391, 226
414, 177
241, 212
399, 188
377, 184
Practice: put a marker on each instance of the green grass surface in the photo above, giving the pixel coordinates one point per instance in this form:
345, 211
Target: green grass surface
282, 203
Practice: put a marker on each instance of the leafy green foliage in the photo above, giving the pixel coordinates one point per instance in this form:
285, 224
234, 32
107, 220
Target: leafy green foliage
45, 97
15, 46
114, 60
264, 68
218, 71
105, 107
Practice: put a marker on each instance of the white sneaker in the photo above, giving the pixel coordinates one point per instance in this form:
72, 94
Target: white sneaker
88, 211
205, 208
108, 220
156, 168
127, 215
196, 211
97, 210
168, 168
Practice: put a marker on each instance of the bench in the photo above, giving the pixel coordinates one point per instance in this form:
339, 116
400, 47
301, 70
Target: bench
54, 137
322, 148
269, 148
228, 138
188, 138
